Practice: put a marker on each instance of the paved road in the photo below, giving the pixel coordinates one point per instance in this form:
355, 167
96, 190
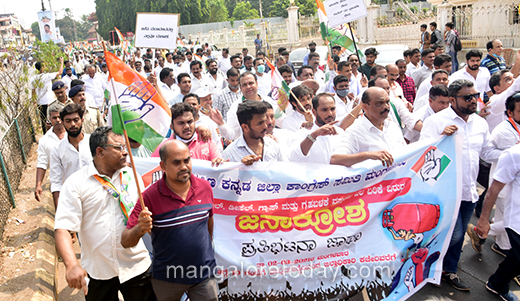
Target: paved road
474, 269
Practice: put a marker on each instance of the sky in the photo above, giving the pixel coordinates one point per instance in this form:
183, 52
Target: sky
26, 10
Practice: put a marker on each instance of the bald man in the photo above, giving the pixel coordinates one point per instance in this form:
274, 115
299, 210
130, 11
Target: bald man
179, 214
372, 136
392, 75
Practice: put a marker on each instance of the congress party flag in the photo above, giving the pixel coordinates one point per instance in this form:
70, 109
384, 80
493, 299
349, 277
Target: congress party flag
145, 113
295, 231
279, 89
333, 35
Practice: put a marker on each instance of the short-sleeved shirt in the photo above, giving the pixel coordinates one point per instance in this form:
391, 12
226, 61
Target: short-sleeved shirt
45, 146
481, 82
493, 64
198, 149
42, 83
180, 235
508, 171
89, 209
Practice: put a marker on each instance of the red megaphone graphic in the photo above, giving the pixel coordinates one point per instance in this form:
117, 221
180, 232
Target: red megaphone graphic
412, 216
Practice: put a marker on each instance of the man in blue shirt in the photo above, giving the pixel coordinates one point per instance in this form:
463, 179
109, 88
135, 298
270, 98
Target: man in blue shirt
493, 61
258, 43
312, 48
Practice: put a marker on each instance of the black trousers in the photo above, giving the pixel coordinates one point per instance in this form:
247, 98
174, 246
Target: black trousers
509, 268
138, 288
43, 116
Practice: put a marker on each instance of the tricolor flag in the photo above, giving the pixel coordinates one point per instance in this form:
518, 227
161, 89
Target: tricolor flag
279, 89
333, 35
122, 42
146, 114
431, 165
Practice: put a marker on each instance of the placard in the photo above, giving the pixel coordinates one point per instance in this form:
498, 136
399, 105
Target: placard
344, 11
47, 26
156, 30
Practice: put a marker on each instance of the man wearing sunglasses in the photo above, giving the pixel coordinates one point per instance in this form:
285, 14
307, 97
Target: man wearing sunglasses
474, 131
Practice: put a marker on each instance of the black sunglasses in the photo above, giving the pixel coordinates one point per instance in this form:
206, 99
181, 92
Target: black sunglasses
469, 97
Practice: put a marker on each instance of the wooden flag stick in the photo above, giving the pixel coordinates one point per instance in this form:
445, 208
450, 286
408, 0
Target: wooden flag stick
127, 141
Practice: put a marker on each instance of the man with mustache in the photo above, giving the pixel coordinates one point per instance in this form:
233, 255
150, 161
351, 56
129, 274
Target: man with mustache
179, 215
477, 144
92, 117
252, 145
216, 79
183, 126
478, 75
318, 143
71, 153
372, 136
96, 202
301, 115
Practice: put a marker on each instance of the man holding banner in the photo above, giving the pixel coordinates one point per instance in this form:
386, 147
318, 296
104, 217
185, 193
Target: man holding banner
476, 144
182, 206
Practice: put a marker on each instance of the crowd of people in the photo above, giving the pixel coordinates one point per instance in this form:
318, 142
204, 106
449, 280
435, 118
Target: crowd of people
223, 110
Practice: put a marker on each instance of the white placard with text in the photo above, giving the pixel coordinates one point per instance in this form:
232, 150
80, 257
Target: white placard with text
156, 30
344, 11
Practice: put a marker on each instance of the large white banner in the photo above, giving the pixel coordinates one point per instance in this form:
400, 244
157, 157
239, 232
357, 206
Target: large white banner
47, 26
287, 231
156, 30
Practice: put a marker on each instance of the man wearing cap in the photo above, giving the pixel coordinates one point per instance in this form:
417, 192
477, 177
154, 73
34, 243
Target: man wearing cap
60, 92
92, 117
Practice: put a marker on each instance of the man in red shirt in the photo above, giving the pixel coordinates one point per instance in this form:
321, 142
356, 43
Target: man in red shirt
179, 213
183, 126
406, 82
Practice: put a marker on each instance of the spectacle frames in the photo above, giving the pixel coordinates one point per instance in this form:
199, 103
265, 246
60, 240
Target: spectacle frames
469, 97
121, 147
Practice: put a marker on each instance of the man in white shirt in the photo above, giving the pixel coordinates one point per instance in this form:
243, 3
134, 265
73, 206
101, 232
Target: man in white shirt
71, 153
216, 79
473, 72
68, 78
438, 77
167, 85
301, 115
230, 94
504, 136
507, 173
41, 86
95, 85
425, 70
399, 113
441, 61
344, 68
231, 129
314, 62
159, 68
477, 144
372, 136
252, 145
248, 64
91, 204
438, 101
319, 142
45, 147
414, 64
198, 80
345, 101
304, 73
202, 101
78, 66
396, 91
224, 64
264, 81
502, 85
184, 83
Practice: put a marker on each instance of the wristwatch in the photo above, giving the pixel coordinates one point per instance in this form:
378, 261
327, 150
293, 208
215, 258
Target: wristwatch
312, 139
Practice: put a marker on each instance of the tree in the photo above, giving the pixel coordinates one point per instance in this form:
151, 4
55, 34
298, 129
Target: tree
218, 11
243, 11
36, 30
122, 13
266, 5
230, 5
305, 8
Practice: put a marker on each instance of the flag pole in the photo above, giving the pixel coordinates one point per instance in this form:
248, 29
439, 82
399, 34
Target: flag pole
127, 141
290, 90
353, 40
